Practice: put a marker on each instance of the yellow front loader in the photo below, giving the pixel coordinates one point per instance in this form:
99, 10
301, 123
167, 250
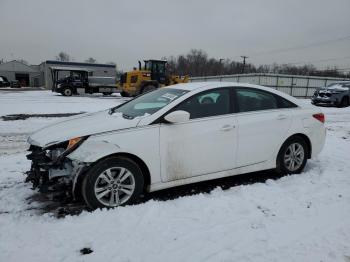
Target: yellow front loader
149, 77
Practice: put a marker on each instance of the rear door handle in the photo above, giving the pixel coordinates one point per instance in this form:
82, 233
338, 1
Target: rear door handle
227, 127
281, 117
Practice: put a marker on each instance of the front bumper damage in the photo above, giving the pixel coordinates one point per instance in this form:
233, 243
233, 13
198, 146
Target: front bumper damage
52, 172
326, 97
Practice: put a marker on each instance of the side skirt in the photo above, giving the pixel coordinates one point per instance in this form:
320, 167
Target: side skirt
232, 172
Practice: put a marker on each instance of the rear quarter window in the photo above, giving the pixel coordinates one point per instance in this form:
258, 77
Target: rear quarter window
284, 103
251, 99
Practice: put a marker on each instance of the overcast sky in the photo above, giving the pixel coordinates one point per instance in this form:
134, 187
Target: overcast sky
127, 31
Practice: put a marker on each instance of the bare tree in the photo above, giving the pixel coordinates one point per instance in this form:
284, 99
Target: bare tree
23, 61
63, 57
91, 60
197, 63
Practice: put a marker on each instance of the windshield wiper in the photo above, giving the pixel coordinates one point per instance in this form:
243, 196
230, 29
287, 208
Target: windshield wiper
127, 116
111, 111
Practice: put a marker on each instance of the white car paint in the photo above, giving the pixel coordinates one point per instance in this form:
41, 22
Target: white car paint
197, 147
195, 150
76, 126
266, 128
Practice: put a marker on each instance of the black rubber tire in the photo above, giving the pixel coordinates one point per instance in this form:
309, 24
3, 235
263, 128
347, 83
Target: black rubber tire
124, 94
67, 91
147, 89
93, 173
280, 165
344, 102
107, 93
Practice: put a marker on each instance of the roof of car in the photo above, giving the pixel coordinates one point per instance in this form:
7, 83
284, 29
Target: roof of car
195, 85
207, 85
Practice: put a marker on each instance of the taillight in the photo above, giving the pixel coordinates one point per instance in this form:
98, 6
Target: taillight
320, 117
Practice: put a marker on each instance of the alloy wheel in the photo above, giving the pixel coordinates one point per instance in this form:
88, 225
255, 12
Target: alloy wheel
114, 186
294, 157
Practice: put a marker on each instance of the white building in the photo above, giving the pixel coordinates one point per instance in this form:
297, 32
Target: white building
40, 75
25, 74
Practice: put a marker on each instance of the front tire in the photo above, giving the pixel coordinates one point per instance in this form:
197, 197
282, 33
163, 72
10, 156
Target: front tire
124, 94
112, 182
344, 102
292, 156
67, 91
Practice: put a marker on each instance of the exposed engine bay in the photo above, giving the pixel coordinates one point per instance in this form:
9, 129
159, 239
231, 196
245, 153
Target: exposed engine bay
52, 172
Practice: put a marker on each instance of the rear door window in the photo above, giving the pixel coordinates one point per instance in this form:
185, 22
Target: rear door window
249, 99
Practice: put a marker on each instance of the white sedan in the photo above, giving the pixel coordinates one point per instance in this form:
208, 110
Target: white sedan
173, 136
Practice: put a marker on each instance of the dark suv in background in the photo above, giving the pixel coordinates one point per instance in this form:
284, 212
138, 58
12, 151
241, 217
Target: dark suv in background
337, 94
4, 82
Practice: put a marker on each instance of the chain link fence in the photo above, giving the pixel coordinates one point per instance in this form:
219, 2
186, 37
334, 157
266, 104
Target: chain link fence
295, 85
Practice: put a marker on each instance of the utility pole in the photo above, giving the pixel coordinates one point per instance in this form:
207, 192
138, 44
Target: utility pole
221, 68
244, 58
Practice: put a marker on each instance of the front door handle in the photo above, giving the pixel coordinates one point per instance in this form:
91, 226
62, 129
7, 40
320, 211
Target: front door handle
227, 127
281, 117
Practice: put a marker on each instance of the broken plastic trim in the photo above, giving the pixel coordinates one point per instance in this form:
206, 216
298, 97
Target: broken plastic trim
70, 150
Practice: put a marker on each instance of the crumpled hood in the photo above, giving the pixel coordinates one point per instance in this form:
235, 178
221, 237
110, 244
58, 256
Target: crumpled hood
83, 125
339, 88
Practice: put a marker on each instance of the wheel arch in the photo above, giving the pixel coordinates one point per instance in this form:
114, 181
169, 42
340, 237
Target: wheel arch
144, 169
302, 136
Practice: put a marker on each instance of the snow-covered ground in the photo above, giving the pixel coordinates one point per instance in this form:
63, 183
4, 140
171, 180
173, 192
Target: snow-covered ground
295, 218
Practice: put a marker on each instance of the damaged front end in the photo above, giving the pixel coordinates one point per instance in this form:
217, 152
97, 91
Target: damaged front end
51, 171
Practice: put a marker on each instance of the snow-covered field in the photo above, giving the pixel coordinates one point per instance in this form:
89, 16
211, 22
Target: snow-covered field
295, 218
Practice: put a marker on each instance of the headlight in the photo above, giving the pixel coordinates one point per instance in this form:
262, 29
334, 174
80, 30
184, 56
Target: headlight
72, 142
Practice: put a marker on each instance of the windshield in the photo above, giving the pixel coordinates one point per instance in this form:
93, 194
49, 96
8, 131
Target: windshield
149, 103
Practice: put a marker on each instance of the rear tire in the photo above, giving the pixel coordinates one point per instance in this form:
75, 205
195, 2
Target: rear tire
292, 156
112, 182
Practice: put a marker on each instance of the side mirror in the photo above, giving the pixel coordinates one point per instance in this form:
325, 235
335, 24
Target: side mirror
177, 116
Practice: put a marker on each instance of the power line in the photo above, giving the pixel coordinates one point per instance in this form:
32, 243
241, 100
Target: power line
280, 50
336, 69
320, 60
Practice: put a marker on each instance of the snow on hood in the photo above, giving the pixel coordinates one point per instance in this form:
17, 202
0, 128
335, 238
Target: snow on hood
83, 125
